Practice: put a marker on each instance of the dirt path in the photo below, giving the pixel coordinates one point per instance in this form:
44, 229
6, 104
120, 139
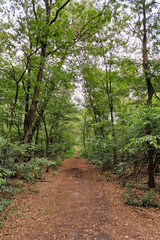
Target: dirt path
76, 203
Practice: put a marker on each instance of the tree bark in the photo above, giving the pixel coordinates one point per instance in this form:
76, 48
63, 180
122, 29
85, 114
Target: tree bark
11, 122
110, 103
47, 136
150, 151
33, 107
84, 130
27, 91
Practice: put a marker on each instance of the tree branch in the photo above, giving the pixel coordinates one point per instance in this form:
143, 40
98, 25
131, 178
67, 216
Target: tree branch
57, 12
24, 71
155, 93
13, 71
34, 10
89, 22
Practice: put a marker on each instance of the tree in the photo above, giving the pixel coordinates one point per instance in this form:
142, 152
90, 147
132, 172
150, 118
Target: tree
43, 48
143, 30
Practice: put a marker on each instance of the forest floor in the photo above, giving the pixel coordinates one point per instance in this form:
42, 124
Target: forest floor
77, 203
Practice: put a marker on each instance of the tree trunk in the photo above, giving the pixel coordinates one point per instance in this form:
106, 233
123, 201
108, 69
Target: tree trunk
114, 137
84, 130
33, 107
150, 152
11, 122
27, 94
37, 134
110, 103
47, 137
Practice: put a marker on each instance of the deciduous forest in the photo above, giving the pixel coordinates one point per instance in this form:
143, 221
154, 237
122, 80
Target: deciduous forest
79, 73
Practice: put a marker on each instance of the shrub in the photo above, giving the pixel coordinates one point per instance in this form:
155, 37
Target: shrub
34, 168
99, 151
70, 153
3, 203
129, 185
144, 201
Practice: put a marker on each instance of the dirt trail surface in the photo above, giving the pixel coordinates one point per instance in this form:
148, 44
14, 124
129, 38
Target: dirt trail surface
77, 203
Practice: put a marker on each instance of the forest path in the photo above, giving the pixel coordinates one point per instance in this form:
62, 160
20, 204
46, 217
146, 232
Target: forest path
77, 203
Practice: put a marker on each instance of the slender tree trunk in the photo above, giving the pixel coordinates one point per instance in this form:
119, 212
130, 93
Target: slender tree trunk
110, 103
94, 114
27, 92
47, 136
37, 135
11, 122
114, 137
36, 126
151, 181
84, 130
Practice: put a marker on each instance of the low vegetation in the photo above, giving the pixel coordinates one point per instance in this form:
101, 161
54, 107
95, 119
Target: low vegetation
135, 198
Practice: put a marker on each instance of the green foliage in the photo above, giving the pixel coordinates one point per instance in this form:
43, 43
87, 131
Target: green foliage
121, 166
144, 201
129, 185
143, 187
99, 151
138, 142
6, 189
34, 168
2, 181
82, 152
9, 190
5, 173
4, 203
70, 153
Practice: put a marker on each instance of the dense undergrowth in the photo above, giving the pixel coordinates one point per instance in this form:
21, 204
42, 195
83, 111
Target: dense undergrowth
70, 153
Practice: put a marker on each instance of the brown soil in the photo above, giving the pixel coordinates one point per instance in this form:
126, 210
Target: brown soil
77, 203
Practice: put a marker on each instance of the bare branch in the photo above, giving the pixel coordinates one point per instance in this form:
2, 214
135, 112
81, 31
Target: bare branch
34, 10
155, 93
24, 71
57, 12
33, 52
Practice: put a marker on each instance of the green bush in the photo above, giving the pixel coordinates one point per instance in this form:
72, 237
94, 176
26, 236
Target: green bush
9, 190
144, 201
34, 168
4, 203
70, 153
82, 152
5, 173
100, 151
129, 185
